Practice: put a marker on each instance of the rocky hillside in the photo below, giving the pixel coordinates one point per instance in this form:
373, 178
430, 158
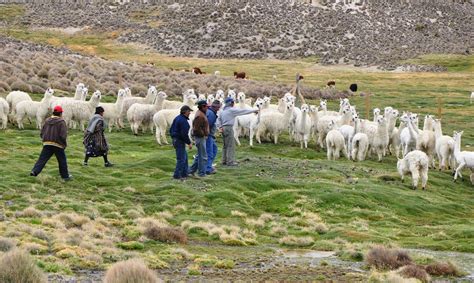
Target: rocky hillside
377, 32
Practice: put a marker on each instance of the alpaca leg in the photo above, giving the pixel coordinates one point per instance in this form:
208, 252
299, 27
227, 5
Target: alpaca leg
424, 177
158, 135
236, 135
329, 153
276, 137
251, 137
415, 175
458, 171
336, 153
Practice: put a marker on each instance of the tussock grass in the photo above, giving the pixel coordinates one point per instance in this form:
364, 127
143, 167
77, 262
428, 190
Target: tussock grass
384, 258
166, 234
415, 271
132, 270
443, 269
294, 241
17, 266
389, 277
7, 244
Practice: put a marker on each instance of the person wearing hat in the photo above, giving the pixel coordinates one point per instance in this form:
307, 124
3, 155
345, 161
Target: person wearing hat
225, 123
200, 133
211, 146
94, 140
179, 132
54, 137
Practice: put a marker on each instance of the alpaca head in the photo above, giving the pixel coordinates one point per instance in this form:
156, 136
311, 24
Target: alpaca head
290, 106
304, 108
151, 90
241, 97
332, 125
220, 94
202, 96
387, 110
313, 109
48, 93
344, 102
395, 113
191, 99
96, 96
231, 93
267, 100
259, 103
121, 93
162, 95
128, 92
85, 91
353, 109
405, 117
189, 92
323, 104
380, 120
79, 87
355, 117
376, 112
457, 136
210, 98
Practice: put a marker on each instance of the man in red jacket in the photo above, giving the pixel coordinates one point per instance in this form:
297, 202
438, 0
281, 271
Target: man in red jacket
54, 135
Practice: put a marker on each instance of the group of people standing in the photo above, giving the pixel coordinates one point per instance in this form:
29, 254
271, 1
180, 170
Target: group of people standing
54, 137
205, 126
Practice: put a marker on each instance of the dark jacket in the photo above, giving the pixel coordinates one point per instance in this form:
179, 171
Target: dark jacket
200, 125
54, 132
180, 129
212, 118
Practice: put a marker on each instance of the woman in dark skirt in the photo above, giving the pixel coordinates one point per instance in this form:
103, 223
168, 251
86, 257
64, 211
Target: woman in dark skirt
94, 138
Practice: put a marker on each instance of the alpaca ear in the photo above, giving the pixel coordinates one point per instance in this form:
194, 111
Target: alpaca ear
460, 133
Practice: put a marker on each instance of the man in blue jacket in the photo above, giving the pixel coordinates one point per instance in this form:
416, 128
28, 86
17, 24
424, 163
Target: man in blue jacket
211, 145
179, 131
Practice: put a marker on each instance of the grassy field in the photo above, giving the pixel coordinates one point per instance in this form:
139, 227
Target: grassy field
278, 191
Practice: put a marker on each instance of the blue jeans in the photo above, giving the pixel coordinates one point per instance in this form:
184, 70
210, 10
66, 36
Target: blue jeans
181, 170
200, 161
46, 153
211, 148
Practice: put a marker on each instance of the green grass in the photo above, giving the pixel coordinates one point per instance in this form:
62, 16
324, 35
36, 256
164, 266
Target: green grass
9, 12
282, 180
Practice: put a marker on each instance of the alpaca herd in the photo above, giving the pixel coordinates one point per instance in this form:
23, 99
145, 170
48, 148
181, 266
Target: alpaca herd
340, 132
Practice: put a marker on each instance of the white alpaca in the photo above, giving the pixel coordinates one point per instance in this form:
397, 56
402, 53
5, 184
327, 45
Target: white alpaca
217, 73
38, 110
164, 118
220, 95
142, 114
313, 110
335, 142
416, 163
381, 138
15, 97
376, 114
323, 105
303, 126
4, 109
472, 96
232, 94
359, 145
274, 123
444, 147
394, 137
79, 95
210, 99
407, 135
81, 111
189, 98
323, 124
243, 123
463, 158
426, 140
129, 101
112, 111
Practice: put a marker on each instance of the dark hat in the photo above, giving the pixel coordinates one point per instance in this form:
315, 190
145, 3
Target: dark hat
216, 103
229, 100
185, 108
202, 103
99, 109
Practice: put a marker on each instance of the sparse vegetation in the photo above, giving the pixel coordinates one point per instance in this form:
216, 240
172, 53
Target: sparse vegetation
384, 258
132, 270
18, 267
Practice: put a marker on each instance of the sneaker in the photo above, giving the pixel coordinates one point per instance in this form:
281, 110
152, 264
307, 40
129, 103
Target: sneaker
211, 172
84, 164
68, 178
33, 174
202, 176
108, 164
233, 164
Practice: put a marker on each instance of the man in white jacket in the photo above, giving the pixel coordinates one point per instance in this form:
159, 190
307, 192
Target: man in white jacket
225, 123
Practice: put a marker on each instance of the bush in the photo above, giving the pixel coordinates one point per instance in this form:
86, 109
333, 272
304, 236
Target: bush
130, 271
18, 267
415, 271
383, 258
166, 234
20, 85
6, 244
443, 269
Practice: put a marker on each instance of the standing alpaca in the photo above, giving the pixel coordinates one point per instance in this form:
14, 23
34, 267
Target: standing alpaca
416, 163
303, 126
381, 138
335, 142
13, 98
112, 110
34, 109
274, 123
472, 96
360, 142
4, 109
81, 111
444, 147
142, 114
463, 158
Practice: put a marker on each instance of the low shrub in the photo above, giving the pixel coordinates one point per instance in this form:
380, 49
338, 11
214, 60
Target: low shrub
383, 258
130, 271
166, 234
18, 267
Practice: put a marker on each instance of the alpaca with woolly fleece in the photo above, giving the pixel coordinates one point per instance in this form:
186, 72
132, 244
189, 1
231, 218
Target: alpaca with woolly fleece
243, 123
163, 120
13, 98
323, 106
376, 114
142, 114
313, 112
425, 139
472, 96
303, 126
463, 158
323, 124
335, 142
79, 95
394, 138
444, 147
359, 146
129, 101
274, 123
210, 99
81, 111
4, 109
220, 95
407, 136
38, 110
381, 138
112, 110
416, 163
189, 98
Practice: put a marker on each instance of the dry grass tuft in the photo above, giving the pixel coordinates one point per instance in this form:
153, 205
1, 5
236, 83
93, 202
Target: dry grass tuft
415, 271
180, 208
166, 234
255, 223
133, 214
164, 215
53, 223
279, 230
29, 212
128, 190
296, 241
443, 269
7, 244
383, 258
35, 249
72, 220
238, 213
389, 277
183, 253
17, 266
41, 234
132, 270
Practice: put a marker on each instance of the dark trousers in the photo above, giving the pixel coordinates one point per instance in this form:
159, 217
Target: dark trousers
182, 168
46, 153
211, 148
200, 161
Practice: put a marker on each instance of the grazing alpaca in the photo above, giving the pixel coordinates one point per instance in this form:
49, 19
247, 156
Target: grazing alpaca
415, 163
240, 75
444, 147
